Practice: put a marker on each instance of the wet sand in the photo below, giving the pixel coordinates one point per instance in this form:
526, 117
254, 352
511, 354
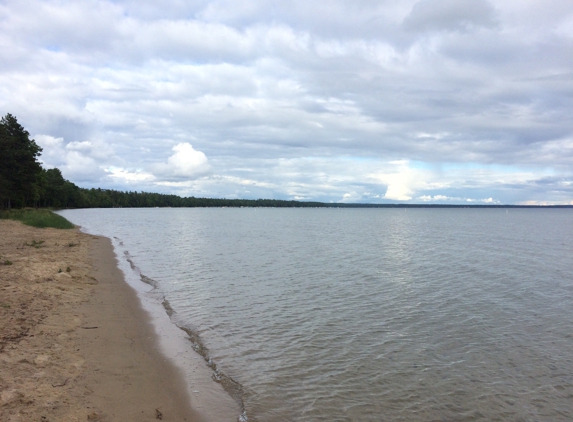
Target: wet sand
75, 342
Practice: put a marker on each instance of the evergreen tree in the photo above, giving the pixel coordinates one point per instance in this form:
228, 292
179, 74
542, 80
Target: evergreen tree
19, 166
58, 192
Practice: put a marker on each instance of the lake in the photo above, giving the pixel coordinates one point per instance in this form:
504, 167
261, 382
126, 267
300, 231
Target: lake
367, 314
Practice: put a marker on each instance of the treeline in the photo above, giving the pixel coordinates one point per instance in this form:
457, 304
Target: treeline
108, 198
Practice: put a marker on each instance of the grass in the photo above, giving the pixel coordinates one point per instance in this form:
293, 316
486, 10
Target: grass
37, 218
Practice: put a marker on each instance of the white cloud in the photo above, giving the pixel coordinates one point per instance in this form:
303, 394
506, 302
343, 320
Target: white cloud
123, 175
79, 146
402, 181
78, 161
81, 167
428, 198
53, 148
351, 197
488, 201
186, 163
444, 198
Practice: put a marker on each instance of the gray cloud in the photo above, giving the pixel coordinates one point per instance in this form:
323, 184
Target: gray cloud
298, 100
450, 15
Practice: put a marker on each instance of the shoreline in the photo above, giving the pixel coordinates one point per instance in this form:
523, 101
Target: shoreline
77, 343
175, 343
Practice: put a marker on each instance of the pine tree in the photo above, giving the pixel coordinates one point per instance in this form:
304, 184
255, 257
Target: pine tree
19, 166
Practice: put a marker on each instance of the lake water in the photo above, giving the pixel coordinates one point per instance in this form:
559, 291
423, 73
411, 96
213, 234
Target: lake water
367, 314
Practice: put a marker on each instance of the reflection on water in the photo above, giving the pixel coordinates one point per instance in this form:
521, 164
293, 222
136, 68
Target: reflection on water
380, 314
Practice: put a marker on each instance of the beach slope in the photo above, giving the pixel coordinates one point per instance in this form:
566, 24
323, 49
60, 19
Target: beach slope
75, 344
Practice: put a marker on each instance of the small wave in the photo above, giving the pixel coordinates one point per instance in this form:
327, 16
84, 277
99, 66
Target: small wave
148, 280
131, 263
232, 387
167, 307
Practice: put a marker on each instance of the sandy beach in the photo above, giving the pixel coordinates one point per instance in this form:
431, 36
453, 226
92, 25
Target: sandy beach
75, 343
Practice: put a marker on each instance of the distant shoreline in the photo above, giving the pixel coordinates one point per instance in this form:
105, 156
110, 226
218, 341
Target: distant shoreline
252, 203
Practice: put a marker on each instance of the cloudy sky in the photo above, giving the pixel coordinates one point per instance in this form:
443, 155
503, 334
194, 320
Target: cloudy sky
437, 101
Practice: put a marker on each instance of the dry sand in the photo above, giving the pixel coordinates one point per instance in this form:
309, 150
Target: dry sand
75, 344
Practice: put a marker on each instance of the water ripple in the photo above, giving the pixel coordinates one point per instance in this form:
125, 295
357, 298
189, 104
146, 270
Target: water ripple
369, 315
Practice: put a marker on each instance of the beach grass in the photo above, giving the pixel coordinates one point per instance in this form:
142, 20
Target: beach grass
37, 218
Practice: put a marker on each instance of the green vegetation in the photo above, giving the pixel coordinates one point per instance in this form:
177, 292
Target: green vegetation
37, 218
20, 171
107, 198
35, 244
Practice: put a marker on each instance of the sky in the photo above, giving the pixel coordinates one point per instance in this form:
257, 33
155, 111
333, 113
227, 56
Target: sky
387, 101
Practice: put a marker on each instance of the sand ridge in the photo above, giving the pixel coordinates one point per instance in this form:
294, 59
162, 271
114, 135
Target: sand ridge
75, 344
